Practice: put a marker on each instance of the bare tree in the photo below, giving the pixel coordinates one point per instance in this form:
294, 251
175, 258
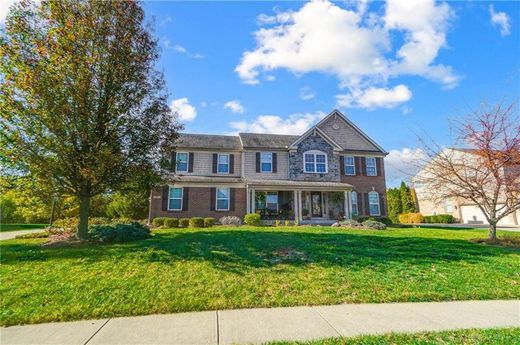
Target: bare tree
485, 170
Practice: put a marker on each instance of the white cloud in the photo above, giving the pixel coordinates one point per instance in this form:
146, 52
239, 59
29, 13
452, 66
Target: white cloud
402, 164
306, 93
184, 109
352, 43
373, 97
167, 44
293, 124
4, 9
500, 19
178, 48
234, 106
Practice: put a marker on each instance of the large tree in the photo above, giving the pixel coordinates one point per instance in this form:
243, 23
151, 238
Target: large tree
82, 104
485, 168
395, 206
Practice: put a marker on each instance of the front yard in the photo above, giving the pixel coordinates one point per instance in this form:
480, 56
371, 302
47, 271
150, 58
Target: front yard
225, 267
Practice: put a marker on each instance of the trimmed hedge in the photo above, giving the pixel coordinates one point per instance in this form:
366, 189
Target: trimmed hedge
171, 223
159, 221
184, 222
439, 219
196, 222
209, 222
119, 232
252, 219
411, 218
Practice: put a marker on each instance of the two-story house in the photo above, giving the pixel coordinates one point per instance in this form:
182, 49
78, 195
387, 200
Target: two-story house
330, 172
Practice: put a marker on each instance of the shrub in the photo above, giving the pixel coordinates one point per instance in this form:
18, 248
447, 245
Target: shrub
373, 224
385, 220
159, 221
411, 218
252, 219
350, 223
184, 222
119, 232
171, 222
230, 220
196, 222
277, 223
33, 235
209, 222
287, 223
69, 224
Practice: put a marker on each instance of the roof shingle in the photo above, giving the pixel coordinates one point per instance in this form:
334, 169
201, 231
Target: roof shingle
259, 140
206, 141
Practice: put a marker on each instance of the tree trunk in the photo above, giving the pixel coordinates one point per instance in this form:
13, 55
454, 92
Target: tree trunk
84, 206
492, 231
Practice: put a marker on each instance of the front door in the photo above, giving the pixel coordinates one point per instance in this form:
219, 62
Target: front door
316, 204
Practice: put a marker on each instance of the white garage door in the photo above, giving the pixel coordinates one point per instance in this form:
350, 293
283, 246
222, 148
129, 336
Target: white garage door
472, 214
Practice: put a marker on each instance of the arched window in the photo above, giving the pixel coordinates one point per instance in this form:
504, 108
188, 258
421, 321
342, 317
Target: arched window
315, 162
373, 203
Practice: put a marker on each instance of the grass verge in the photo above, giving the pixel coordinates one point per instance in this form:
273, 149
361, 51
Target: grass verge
182, 270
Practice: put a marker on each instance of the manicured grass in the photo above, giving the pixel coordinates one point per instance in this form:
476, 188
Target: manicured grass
460, 337
223, 267
16, 227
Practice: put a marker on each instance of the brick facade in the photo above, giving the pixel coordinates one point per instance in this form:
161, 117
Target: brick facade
365, 184
199, 204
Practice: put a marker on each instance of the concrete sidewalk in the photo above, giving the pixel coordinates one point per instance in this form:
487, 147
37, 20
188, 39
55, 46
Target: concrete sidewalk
9, 235
244, 326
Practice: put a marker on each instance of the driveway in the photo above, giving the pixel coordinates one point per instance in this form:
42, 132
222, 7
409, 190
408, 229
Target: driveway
8, 235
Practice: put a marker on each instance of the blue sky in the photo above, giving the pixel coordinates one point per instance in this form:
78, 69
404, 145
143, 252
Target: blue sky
395, 68
395, 71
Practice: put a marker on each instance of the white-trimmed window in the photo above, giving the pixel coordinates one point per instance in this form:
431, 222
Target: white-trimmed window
222, 199
315, 162
350, 166
266, 162
223, 164
371, 166
175, 199
373, 203
181, 161
448, 206
353, 201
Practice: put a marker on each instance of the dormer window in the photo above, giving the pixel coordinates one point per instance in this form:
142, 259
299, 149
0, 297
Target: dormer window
315, 162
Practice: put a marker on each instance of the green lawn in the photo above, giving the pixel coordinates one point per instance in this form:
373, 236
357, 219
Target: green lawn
16, 227
219, 268
461, 337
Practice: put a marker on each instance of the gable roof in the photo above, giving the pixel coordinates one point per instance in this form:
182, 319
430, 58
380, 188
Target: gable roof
342, 117
258, 140
314, 130
208, 141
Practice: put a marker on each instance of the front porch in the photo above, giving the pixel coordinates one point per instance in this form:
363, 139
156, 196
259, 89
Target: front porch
301, 201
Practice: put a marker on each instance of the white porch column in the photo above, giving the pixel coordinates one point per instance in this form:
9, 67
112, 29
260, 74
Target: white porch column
349, 204
300, 207
295, 202
248, 200
345, 205
253, 203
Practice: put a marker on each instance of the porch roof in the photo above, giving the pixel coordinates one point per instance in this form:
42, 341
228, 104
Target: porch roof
302, 185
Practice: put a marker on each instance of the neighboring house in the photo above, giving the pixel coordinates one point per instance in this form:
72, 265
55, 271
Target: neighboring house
332, 171
465, 211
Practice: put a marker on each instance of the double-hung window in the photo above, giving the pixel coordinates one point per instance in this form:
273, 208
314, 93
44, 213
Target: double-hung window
223, 164
373, 203
181, 162
315, 162
266, 162
350, 166
353, 200
175, 199
271, 201
222, 199
448, 206
371, 166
